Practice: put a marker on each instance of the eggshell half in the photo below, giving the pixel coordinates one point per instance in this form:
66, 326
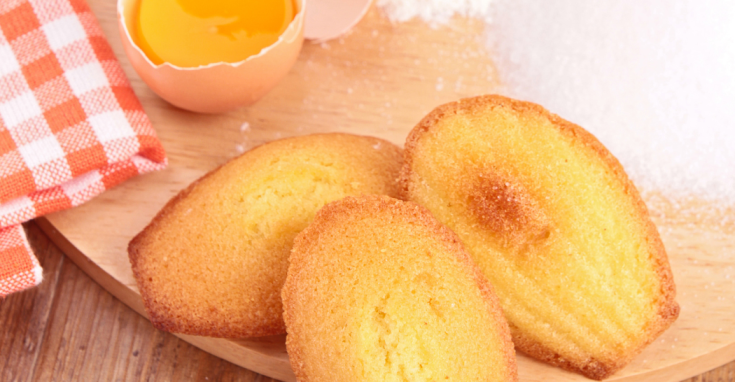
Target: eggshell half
328, 19
217, 87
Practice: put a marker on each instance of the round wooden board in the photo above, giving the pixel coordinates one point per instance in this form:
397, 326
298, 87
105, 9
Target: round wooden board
379, 80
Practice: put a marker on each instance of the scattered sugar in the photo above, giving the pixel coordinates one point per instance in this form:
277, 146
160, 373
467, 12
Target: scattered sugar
244, 127
458, 84
652, 80
435, 12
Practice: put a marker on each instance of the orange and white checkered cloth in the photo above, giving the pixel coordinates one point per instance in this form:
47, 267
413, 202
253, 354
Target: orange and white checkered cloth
70, 125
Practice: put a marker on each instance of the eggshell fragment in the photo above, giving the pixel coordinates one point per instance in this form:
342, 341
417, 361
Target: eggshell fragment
328, 19
217, 87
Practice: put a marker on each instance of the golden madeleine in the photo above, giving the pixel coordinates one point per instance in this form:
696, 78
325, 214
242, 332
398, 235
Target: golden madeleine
213, 261
379, 290
554, 223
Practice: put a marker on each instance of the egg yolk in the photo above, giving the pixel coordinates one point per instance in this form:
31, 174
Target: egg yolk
190, 33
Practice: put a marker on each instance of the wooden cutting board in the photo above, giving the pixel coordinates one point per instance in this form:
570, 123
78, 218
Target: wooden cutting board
380, 80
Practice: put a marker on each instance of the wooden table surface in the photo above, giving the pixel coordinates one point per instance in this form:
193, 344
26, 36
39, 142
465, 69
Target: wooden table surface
71, 329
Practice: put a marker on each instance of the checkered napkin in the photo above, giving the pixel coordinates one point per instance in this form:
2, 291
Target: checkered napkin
70, 125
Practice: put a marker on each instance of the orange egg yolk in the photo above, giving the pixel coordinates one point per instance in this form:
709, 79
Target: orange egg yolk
191, 33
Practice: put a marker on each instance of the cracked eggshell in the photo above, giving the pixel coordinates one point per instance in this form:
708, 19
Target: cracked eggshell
217, 87
328, 19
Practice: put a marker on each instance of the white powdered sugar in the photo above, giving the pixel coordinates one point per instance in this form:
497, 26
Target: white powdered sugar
653, 80
435, 12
